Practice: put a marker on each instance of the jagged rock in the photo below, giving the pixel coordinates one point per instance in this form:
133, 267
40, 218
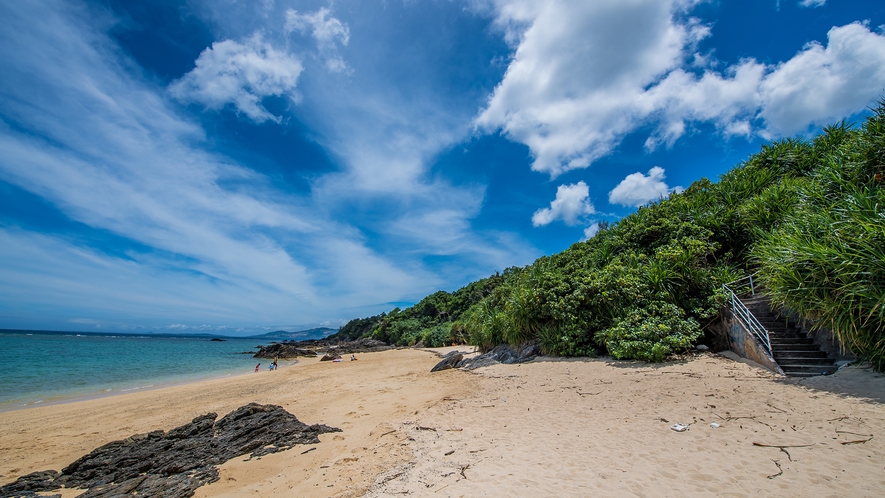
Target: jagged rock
330, 357
312, 347
173, 464
31, 483
503, 353
450, 360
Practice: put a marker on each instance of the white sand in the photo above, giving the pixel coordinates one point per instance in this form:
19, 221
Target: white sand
545, 428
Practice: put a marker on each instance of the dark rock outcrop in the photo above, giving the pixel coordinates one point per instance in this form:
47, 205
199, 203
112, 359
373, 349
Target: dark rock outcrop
30, 484
311, 348
330, 357
502, 353
175, 463
450, 360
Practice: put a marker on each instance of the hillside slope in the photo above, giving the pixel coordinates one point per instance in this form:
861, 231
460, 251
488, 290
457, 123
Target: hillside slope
807, 215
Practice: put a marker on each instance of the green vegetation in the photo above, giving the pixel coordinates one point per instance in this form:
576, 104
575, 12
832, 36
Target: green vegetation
827, 260
808, 216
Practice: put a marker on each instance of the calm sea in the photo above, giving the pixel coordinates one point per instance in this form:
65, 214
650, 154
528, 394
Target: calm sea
44, 368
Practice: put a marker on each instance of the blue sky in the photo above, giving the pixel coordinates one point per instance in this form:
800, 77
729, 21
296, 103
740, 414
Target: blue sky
243, 166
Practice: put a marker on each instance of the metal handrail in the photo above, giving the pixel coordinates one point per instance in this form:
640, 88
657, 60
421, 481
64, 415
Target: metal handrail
746, 316
748, 278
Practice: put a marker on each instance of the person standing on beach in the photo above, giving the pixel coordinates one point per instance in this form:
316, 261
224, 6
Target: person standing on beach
275, 358
257, 367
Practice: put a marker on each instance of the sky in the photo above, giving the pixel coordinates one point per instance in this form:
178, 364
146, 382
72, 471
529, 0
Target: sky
240, 166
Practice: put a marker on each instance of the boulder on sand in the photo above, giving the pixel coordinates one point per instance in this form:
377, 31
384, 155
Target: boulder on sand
450, 360
502, 353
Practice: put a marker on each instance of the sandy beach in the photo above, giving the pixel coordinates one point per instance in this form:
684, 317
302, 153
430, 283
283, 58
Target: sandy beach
551, 427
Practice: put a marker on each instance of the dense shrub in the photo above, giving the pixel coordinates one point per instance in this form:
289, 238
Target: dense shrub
808, 215
827, 260
650, 333
437, 336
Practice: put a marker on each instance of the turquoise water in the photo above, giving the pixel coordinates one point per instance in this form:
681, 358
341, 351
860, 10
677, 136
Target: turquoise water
44, 368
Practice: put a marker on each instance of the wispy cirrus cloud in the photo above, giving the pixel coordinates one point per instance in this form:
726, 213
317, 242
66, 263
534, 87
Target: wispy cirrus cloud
327, 31
384, 123
111, 150
812, 3
133, 165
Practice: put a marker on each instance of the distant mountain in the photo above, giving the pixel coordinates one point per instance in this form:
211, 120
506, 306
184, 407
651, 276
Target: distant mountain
317, 333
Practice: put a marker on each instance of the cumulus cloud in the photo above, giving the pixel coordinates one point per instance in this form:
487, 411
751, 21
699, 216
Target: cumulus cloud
821, 84
812, 3
327, 31
571, 204
591, 231
240, 74
638, 189
586, 74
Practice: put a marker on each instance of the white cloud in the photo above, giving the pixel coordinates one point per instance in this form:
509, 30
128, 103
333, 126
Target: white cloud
638, 189
570, 92
591, 231
571, 204
132, 167
586, 74
821, 84
324, 29
327, 31
221, 236
812, 3
240, 74
384, 126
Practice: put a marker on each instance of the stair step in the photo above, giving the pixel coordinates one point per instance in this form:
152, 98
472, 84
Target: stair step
792, 340
758, 298
781, 354
775, 326
775, 323
794, 352
779, 348
808, 370
786, 362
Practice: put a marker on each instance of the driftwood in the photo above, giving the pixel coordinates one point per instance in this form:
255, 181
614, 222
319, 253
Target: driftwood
783, 445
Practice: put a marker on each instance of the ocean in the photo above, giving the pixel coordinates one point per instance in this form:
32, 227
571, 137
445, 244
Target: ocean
39, 367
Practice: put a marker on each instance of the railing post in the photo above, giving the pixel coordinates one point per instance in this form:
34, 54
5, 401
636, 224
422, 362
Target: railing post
732, 300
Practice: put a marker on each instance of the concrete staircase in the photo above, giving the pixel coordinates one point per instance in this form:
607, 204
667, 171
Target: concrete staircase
794, 352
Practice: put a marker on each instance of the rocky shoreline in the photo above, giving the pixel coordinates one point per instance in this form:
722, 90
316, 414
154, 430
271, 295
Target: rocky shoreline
173, 464
319, 347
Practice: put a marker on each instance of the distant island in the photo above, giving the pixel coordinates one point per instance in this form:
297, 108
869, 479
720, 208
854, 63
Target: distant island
300, 335
315, 333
